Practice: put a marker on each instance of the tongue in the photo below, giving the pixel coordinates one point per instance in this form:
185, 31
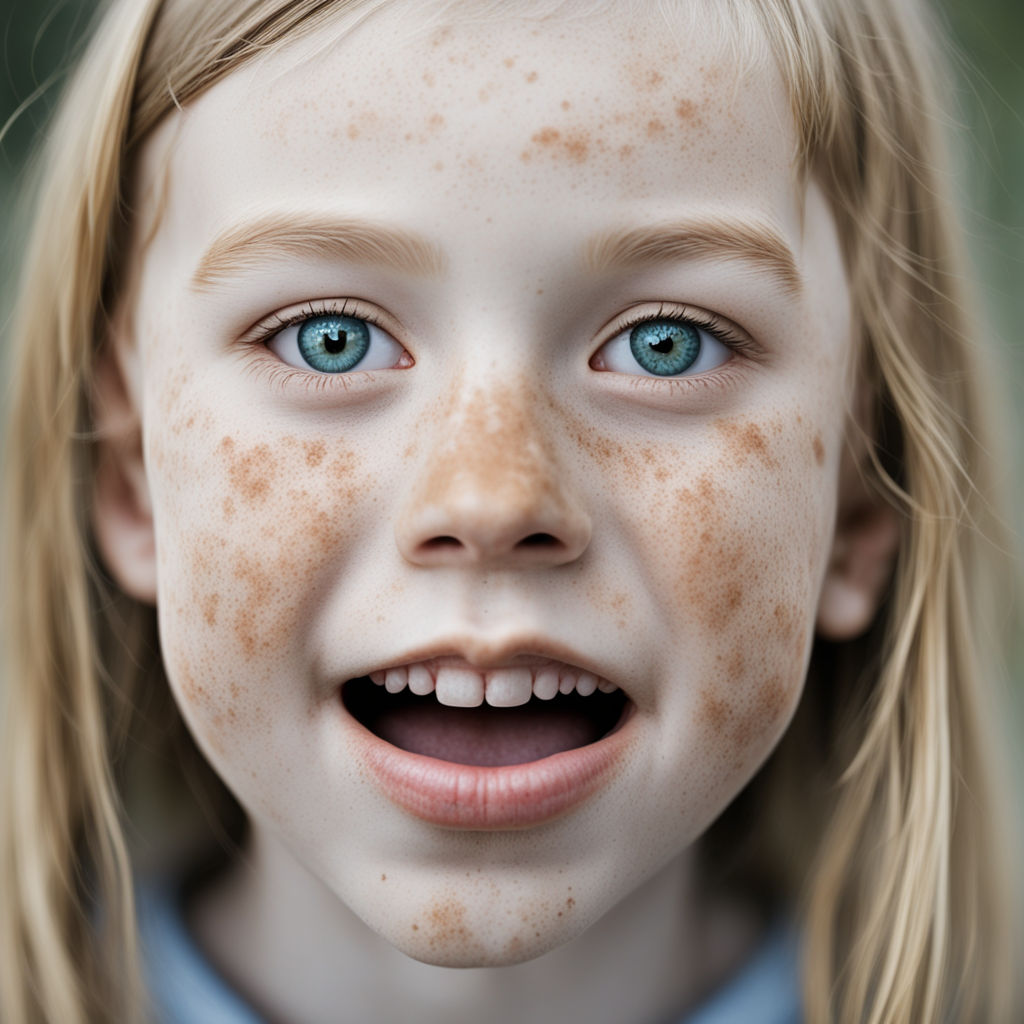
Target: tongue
485, 735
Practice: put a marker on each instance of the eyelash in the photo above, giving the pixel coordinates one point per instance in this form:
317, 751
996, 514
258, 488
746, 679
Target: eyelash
275, 323
280, 375
715, 325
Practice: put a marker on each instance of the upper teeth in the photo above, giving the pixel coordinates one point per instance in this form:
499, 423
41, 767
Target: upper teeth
464, 687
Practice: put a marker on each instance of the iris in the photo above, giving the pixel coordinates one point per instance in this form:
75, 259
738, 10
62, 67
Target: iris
333, 343
665, 347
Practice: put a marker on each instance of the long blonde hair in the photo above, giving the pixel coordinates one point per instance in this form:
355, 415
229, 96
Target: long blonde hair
891, 854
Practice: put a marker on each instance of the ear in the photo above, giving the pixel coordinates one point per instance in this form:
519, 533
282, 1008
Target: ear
863, 554
122, 515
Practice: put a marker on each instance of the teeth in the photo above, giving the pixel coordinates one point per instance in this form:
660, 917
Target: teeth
459, 687
421, 682
395, 679
501, 688
545, 686
509, 687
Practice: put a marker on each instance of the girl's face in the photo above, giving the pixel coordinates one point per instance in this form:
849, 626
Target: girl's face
505, 354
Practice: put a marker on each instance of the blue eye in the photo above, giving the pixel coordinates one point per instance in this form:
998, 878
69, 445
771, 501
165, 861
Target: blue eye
664, 347
334, 343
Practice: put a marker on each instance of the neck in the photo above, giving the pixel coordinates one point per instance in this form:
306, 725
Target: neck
296, 953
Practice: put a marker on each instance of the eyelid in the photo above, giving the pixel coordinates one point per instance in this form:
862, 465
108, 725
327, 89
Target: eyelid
726, 331
265, 328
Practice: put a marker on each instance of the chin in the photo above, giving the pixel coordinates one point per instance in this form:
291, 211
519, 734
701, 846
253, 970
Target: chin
450, 942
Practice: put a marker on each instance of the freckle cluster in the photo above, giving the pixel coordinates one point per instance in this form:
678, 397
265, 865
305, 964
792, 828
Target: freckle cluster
248, 571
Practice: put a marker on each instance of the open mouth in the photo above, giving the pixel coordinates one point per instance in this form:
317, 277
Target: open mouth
506, 716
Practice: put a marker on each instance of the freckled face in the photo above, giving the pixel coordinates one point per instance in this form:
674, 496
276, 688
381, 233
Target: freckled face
510, 473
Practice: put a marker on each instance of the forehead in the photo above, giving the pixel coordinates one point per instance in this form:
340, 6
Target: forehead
420, 107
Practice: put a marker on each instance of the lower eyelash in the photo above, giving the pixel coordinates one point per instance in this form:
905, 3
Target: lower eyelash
279, 376
723, 376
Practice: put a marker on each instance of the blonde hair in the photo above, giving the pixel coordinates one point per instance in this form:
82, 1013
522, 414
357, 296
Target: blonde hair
893, 855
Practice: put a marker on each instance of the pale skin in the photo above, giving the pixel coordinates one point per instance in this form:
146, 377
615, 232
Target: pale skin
297, 529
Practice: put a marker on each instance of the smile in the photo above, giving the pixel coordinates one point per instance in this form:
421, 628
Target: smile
506, 747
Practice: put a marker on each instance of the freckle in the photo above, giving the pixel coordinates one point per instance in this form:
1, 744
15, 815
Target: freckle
735, 666
509, 62
685, 110
773, 699
447, 922
713, 710
383, 878
655, 126
547, 136
819, 450
229, 508
415, 927
438, 165
531, 76
747, 440
209, 609
577, 148
435, 122
566, 104
526, 156
625, 151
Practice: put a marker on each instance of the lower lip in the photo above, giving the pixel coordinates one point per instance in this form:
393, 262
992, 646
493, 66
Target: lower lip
468, 796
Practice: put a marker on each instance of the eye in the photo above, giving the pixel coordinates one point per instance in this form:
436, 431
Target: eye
335, 343
663, 347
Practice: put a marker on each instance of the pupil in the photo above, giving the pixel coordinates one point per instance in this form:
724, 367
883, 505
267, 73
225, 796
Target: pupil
335, 343
665, 345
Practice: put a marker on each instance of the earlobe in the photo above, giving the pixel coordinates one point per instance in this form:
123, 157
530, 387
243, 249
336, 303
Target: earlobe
122, 516
860, 567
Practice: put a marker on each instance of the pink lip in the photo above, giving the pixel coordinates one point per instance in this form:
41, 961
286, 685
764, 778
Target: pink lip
490, 798
484, 653
473, 797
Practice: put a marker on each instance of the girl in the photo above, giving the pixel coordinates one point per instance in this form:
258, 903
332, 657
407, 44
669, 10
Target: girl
522, 468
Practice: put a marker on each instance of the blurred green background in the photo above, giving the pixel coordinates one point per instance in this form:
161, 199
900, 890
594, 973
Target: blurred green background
40, 37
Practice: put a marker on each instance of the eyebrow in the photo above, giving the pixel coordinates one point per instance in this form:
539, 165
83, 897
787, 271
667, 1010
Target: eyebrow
752, 241
244, 246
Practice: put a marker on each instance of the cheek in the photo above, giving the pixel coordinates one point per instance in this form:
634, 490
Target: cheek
244, 531
734, 543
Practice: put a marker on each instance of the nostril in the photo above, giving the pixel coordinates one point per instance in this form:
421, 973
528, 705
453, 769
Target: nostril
438, 543
539, 540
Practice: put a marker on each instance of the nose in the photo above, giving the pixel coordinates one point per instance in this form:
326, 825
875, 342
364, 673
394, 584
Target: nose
490, 492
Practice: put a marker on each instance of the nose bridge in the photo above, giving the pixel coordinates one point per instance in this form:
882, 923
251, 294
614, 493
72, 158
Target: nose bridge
491, 488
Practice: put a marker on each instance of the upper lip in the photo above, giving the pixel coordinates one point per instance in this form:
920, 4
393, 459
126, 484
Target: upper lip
485, 653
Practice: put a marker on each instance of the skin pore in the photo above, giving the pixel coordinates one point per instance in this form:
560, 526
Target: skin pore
502, 198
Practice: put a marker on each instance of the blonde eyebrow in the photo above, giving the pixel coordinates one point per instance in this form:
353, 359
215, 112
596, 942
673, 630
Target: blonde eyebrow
716, 238
245, 246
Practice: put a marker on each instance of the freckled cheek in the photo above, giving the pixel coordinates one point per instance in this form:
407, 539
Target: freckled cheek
248, 536
735, 573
